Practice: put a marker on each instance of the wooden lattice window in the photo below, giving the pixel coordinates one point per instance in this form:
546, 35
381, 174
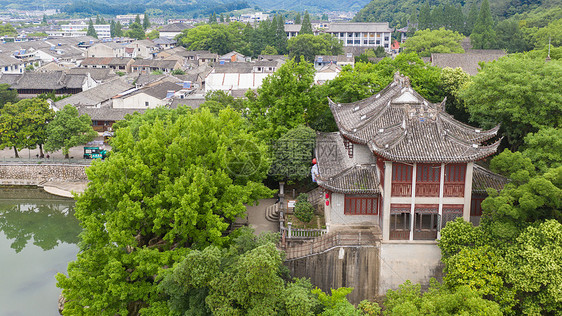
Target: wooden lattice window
450, 213
360, 205
348, 147
455, 173
428, 173
401, 173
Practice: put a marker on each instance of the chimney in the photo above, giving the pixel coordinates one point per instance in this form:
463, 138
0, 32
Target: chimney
170, 94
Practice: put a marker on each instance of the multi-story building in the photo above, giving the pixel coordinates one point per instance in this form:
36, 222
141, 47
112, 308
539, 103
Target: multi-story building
71, 30
352, 34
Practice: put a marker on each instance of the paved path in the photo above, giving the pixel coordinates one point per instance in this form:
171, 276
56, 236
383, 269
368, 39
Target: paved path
27, 155
256, 217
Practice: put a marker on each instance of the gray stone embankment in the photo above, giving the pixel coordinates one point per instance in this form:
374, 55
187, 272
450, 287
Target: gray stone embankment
55, 178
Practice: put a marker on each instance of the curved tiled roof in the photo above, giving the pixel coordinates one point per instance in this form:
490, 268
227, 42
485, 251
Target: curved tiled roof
338, 173
483, 178
399, 124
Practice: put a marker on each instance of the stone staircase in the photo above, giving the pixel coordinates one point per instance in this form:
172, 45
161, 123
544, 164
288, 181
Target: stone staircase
272, 213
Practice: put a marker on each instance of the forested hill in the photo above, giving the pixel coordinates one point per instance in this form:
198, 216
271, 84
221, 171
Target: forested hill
190, 7
398, 12
314, 6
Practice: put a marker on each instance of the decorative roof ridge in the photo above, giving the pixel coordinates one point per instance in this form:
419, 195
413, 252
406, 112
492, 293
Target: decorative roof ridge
483, 134
323, 182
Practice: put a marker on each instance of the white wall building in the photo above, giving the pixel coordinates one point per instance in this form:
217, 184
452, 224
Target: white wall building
71, 30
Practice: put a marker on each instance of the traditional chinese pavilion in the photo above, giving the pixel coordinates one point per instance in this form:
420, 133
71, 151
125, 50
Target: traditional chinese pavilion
403, 164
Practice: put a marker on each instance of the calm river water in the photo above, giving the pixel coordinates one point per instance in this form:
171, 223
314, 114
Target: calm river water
38, 237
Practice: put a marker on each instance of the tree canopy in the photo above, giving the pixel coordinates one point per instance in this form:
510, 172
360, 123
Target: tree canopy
173, 183
483, 35
523, 94
68, 129
425, 42
308, 46
24, 124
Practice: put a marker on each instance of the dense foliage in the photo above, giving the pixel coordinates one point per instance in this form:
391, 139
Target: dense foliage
521, 93
428, 41
68, 129
174, 182
304, 210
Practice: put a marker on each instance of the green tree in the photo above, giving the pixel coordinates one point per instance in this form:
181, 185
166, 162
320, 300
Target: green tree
7, 95
218, 38
280, 35
282, 100
425, 42
138, 20
8, 30
304, 210
44, 20
306, 27
23, 124
174, 182
438, 300
269, 50
145, 22
68, 129
523, 94
221, 18
471, 19
308, 46
98, 21
118, 30
551, 33
544, 148
510, 37
91, 30
154, 34
483, 35
453, 81
298, 18
425, 17
293, 152
135, 31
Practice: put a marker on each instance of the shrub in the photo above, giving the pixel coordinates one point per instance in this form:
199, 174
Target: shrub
303, 209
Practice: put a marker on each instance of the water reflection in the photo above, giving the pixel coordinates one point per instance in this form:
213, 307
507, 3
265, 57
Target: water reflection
38, 237
48, 223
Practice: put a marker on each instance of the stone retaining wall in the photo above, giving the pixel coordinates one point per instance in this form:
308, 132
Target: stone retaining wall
34, 174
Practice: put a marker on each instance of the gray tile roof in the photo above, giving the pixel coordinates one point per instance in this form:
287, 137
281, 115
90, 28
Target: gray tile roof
109, 61
400, 125
96, 95
108, 114
44, 80
158, 91
8, 60
338, 173
467, 61
155, 63
175, 27
97, 74
483, 178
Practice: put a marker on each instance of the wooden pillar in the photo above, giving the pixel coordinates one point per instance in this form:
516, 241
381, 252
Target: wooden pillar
441, 191
386, 200
467, 191
413, 206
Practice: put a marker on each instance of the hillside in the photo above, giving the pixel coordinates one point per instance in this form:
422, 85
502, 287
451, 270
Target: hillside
310, 5
398, 12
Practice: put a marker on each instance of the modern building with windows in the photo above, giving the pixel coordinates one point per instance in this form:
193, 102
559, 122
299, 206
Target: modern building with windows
352, 34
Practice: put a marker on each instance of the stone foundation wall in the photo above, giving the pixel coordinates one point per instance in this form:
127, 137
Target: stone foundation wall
33, 174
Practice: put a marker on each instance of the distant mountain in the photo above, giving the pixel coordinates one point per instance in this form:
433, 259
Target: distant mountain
313, 6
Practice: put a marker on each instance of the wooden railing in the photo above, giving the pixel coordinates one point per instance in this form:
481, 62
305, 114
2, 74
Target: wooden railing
427, 189
302, 233
401, 189
453, 190
425, 234
399, 235
331, 240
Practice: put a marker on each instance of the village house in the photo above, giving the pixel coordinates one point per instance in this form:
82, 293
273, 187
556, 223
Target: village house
106, 49
97, 97
232, 57
122, 64
404, 167
31, 84
150, 65
340, 60
148, 97
141, 49
170, 31
165, 43
234, 76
